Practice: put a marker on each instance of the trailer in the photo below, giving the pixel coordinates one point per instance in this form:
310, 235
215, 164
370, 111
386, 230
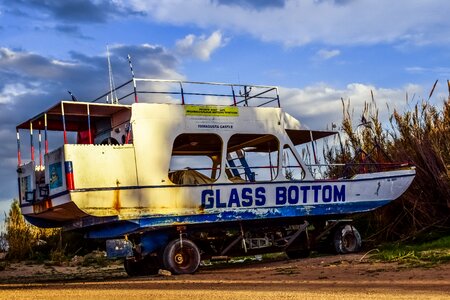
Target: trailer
172, 172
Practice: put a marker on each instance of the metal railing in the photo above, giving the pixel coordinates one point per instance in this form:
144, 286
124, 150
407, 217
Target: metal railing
347, 170
238, 94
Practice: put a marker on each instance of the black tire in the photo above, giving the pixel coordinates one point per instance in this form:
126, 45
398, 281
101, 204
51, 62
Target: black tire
150, 265
132, 267
346, 239
181, 257
295, 254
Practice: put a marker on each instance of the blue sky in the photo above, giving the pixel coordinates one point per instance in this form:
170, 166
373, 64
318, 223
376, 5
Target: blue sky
316, 51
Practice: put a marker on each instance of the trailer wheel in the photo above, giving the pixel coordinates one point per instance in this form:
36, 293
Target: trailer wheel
132, 267
149, 265
303, 253
181, 257
346, 239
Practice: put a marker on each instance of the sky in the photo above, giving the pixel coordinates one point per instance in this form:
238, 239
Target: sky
316, 51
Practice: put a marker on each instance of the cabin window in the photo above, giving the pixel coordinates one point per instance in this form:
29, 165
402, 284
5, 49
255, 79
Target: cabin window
292, 169
195, 159
252, 157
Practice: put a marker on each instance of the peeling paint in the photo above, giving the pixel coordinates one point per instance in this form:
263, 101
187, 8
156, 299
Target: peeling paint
268, 214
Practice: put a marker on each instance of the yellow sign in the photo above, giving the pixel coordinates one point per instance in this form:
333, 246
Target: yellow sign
211, 111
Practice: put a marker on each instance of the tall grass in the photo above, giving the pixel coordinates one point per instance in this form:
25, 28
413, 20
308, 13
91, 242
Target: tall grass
420, 136
26, 241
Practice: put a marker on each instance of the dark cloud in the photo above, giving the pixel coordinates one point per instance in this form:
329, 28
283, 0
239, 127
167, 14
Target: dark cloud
30, 83
72, 30
165, 61
254, 4
7, 9
74, 11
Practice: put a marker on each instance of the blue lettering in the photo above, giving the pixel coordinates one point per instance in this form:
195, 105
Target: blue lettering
339, 194
260, 197
234, 198
208, 198
305, 190
293, 194
316, 189
247, 199
280, 195
218, 203
326, 193
283, 195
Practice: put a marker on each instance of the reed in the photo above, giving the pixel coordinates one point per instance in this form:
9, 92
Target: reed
421, 136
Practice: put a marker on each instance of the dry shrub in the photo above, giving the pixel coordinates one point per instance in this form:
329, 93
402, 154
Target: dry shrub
26, 241
420, 136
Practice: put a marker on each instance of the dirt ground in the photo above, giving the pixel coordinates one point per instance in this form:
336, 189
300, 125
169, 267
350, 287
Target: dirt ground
331, 277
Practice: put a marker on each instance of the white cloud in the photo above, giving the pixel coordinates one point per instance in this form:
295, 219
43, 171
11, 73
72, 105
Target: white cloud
439, 71
12, 91
63, 63
200, 47
320, 105
300, 22
327, 54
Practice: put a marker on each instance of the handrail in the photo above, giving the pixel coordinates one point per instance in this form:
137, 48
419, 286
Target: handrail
346, 170
396, 164
113, 90
261, 92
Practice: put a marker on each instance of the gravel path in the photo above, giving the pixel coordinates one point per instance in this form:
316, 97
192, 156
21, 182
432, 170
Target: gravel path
332, 277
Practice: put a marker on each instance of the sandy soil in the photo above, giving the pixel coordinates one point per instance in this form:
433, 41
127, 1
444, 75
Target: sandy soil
331, 277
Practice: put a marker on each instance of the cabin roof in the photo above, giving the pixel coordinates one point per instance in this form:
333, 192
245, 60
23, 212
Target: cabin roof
76, 119
75, 114
302, 136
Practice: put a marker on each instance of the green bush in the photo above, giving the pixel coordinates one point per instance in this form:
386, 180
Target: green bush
26, 241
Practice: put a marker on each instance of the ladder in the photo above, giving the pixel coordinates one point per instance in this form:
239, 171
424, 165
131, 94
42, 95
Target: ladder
242, 164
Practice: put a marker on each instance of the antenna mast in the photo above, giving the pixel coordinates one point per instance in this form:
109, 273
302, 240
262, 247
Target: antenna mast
132, 77
112, 86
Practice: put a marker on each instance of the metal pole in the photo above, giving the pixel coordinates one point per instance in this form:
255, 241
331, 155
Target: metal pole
19, 160
40, 150
111, 85
31, 141
45, 134
313, 148
89, 124
278, 98
182, 93
234, 96
134, 80
245, 95
127, 140
64, 123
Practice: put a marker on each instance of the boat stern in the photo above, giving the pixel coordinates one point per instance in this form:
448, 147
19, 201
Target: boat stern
44, 191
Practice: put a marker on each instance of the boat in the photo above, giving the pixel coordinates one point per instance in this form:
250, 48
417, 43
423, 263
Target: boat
171, 172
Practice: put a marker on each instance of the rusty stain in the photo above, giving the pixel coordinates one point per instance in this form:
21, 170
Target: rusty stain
116, 200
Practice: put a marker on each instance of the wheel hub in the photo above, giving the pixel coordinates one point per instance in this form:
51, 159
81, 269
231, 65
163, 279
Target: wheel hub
179, 259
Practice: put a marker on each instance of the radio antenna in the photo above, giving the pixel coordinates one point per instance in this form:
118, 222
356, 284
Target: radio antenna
132, 77
112, 86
